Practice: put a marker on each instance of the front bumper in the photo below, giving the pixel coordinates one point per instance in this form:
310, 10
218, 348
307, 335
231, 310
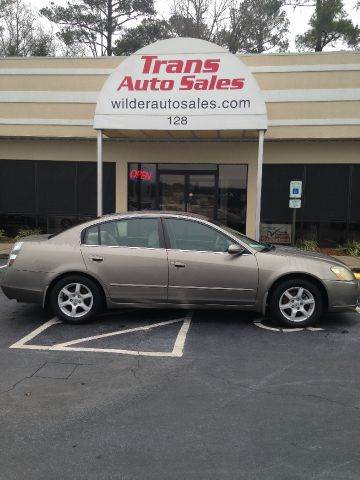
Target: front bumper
343, 295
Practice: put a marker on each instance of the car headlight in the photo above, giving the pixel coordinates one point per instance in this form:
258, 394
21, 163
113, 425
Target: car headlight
342, 273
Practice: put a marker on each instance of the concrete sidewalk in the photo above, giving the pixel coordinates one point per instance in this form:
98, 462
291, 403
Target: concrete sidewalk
352, 262
5, 249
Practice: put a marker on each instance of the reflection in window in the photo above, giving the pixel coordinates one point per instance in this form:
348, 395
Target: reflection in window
232, 196
190, 235
136, 232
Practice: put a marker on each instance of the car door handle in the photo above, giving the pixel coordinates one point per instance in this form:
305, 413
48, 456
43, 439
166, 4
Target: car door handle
97, 259
178, 264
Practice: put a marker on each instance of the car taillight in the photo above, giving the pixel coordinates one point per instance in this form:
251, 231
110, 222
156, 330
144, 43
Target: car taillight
14, 253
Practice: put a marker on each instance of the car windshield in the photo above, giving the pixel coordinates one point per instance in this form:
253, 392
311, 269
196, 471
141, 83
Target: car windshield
258, 246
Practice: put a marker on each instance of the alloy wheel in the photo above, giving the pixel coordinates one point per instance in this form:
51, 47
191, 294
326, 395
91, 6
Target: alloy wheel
297, 304
75, 300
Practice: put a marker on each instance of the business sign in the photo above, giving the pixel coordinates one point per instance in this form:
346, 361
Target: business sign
181, 84
275, 233
141, 174
295, 203
295, 189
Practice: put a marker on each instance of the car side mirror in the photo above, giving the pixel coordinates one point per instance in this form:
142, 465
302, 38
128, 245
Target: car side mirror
235, 249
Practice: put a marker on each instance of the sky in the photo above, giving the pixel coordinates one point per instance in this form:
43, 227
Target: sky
298, 18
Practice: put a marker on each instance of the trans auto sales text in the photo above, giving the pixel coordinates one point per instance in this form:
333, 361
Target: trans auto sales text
191, 79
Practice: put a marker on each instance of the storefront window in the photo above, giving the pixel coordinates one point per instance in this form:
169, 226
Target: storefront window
214, 191
329, 213
51, 196
142, 186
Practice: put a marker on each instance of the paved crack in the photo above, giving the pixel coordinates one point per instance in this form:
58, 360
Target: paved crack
21, 380
27, 377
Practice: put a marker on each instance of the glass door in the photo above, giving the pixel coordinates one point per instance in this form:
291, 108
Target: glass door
188, 192
201, 194
172, 192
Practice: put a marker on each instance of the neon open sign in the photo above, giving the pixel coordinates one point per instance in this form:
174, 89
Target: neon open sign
140, 175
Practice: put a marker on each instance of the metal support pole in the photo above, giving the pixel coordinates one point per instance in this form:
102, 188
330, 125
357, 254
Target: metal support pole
293, 227
259, 184
99, 174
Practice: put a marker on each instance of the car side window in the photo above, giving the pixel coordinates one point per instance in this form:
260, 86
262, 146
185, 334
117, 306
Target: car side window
191, 235
91, 236
132, 232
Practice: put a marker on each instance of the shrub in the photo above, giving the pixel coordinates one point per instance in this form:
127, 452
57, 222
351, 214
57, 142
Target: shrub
352, 249
308, 245
26, 232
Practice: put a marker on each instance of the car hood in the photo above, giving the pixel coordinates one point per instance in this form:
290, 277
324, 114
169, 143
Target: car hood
297, 253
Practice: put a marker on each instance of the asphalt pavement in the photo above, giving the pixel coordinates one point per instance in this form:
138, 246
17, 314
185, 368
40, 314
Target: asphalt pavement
143, 395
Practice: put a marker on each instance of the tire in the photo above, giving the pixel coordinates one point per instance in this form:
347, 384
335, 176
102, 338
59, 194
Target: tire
81, 297
304, 309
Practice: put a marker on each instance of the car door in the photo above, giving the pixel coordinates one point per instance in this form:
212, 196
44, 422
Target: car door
129, 257
202, 271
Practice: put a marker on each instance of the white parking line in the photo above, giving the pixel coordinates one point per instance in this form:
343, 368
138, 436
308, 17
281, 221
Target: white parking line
177, 350
21, 343
287, 330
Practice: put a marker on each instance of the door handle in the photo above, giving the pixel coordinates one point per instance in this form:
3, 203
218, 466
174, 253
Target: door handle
97, 259
178, 264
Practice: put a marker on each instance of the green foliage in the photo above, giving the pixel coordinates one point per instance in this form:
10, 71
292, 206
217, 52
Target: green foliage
256, 26
328, 24
188, 18
95, 23
2, 235
148, 31
27, 232
352, 249
308, 245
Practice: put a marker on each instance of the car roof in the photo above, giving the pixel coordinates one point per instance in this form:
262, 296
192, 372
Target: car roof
151, 213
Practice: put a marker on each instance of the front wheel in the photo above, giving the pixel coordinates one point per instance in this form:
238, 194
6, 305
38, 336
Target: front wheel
76, 299
296, 303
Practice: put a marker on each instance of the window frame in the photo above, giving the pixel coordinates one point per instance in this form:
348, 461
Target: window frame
204, 223
98, 225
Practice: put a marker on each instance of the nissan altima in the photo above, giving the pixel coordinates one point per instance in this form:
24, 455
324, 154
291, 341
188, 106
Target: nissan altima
166, 259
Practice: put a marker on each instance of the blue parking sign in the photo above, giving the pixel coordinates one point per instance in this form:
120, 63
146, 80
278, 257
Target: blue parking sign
295, 189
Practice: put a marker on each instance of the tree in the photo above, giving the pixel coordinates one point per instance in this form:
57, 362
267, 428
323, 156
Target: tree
256, 26
188, 18
198, 18
328, 24
95, 23
148, 31
20, 33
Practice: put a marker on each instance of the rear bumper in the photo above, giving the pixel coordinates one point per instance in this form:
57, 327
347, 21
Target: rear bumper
27, 287
22, 295
343, 295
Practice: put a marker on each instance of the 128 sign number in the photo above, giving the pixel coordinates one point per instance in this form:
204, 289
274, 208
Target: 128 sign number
177, 120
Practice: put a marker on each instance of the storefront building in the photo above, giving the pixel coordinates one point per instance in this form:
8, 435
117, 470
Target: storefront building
307, 107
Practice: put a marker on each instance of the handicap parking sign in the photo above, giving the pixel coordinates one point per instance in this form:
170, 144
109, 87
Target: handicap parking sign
295, 189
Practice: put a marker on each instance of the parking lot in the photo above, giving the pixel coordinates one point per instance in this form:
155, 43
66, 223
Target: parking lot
178, 395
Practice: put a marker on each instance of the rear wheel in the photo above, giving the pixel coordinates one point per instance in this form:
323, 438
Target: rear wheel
296, 303
76, 299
